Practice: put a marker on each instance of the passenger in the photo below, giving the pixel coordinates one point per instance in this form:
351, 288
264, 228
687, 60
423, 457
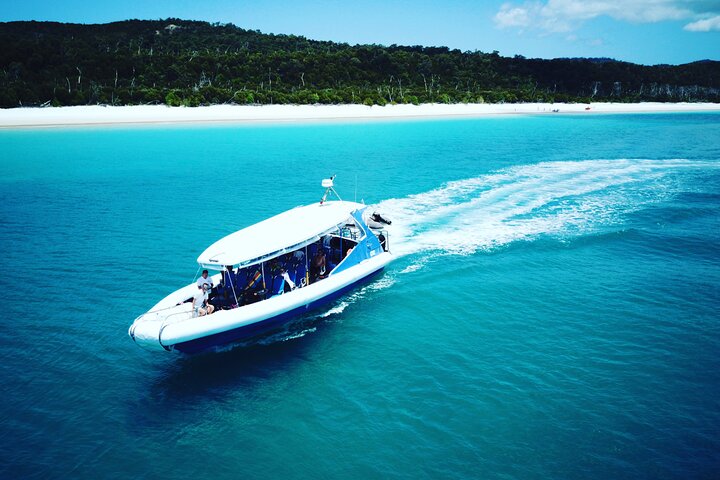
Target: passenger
318, 266
289, 284
219, 302
204, 279
201, 306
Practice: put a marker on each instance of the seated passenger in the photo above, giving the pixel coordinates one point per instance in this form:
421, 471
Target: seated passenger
289, 283
201, 306
223, 302
318, 266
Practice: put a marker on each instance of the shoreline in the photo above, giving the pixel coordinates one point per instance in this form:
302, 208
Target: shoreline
99, 115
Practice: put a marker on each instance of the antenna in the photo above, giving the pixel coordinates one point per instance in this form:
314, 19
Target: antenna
328, 184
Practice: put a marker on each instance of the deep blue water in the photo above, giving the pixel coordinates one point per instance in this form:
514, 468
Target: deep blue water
553, 311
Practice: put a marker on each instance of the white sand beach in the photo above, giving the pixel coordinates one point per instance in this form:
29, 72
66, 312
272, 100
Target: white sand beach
161, 114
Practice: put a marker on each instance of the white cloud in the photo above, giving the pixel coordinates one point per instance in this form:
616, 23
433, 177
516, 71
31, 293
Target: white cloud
530, 15
705, 25
566, 15
631, 10
510, 16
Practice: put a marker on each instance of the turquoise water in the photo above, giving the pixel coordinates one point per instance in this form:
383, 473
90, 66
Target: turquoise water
553, 311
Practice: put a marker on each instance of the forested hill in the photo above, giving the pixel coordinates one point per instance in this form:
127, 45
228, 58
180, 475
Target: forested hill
182, 62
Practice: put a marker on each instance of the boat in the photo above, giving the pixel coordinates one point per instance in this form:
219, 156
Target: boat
267, 274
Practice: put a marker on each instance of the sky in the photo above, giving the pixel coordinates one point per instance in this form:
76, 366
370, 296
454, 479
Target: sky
640, 31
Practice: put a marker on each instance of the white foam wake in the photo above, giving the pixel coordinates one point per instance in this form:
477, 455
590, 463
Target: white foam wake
564, 199
523, 202
309, 324
380, 284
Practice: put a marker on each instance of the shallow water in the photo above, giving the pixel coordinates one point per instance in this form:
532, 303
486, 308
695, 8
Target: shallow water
552, 312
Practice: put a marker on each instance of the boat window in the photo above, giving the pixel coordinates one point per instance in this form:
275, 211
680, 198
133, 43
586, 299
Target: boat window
240, 285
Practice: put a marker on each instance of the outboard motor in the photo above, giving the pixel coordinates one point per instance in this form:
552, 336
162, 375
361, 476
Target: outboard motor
375, 220
379, 218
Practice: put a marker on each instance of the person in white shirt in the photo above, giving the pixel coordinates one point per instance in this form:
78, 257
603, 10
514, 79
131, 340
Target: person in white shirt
200, 302
286, 276
205, 280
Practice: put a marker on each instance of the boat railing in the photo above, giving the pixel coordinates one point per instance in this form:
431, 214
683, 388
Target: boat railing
347, 232
178, 317
154, 315
160, 310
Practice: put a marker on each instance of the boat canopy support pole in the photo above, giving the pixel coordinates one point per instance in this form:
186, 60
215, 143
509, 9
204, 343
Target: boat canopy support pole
232, 285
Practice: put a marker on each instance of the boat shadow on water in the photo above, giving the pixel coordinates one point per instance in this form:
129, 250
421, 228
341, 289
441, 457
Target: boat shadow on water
242, 364
232, 376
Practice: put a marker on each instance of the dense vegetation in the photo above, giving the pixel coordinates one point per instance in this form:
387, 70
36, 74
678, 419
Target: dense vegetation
180, 62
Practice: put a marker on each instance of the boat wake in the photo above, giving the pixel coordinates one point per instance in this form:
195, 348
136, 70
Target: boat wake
563, 200
560, 199
309, 324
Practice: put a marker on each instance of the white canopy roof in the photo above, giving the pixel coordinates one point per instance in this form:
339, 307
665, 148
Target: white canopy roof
282, 233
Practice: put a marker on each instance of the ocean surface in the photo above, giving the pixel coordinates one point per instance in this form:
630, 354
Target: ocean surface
553, 311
